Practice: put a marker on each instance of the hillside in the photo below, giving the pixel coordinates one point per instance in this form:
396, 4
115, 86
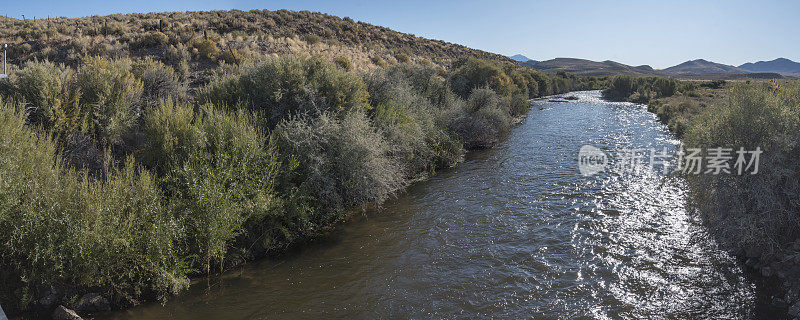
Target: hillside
590, 68
780, 65
204, 39
701, 66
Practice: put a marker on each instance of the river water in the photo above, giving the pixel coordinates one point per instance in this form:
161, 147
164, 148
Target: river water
513, 232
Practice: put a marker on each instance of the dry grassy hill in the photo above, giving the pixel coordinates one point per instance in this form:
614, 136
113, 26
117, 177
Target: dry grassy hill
193, 42
590, 68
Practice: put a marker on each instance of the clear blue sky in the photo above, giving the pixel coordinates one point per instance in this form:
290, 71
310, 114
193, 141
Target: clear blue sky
658, 33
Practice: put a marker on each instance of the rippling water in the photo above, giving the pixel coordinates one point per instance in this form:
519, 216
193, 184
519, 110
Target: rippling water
514, 232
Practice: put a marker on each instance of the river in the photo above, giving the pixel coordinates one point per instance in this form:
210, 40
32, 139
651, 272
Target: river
513, 232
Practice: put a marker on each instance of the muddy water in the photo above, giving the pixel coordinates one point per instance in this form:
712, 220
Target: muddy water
514, 232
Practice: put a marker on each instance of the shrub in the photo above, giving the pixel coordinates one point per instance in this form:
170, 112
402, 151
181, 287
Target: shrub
149, 40
232, 56
176, 54
402, 58
620, 88
677, 115
665, 87
377, 60
408, 122
171, 135
484, 121
714, 84
101, 99
757, 213
311, 39
206, 49
518, 105
641, 89
49, 91
158, 81
60, 227
282, 87
534, 81
469, 74
343, 62
220, 171
342, 163
109, 97
426, 81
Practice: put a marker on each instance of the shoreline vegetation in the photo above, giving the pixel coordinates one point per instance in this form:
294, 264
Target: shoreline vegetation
753, 216
140, 150
125, 171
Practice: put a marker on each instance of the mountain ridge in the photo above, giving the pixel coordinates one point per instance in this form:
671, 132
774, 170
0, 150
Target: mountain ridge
702, 66
698, 68
779, 65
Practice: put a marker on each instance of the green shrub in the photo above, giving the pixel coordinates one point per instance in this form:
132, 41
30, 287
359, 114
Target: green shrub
171, 135
158, 81
109, 98
665, 87
149, 40
206, 49
220, 171
677, 115
177, 56
620, 88
311, 39
60, 227
518, 105
49, 91
470, 74
402, 58
343, 62
757, 213
409, 123
484, 121
377, 60
342, 163
101, 99
282, 87
232, 56
639, 89
534, 81
714, 84
426, 81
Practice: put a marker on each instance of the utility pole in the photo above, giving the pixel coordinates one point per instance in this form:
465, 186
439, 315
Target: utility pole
5, 47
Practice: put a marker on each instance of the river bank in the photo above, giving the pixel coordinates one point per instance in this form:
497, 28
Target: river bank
753, 216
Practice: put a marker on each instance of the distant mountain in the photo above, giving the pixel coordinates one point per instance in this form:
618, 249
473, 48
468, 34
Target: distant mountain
780, 65
695, 69
700, 66
520, 58
590, 68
